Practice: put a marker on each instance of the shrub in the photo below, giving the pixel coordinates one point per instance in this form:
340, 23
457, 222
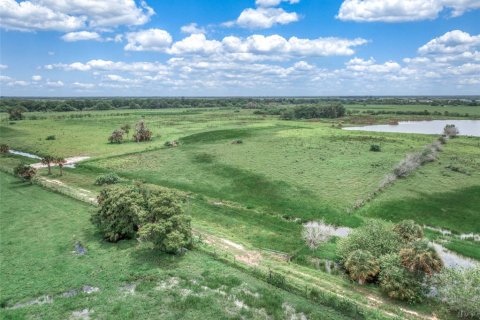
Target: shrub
443, 139
420, 258
142, 133
408, 231
237, 141
25, 172
52, 137
117, 215
459, 289
171, 144
108, 178
361, 266
316, 232
375, 148
450, 131
116, 136
407, 166
375, 236
15, 114
152, 215
397, 282
276, 279
4, 148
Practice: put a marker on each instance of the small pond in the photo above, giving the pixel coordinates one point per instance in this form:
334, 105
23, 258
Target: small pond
466, 127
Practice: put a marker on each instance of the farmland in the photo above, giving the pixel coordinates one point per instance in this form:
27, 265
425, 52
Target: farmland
256, 193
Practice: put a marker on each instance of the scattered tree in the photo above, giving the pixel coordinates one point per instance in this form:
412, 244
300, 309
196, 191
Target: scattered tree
48, 160
316, 232
419, 257
4, 148
361, 266
25, 172
126, 128
60, 162
459, 289
408, 231
116, 136
142, 133
375, 148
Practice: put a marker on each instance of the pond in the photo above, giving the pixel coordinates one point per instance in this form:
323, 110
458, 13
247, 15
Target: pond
466, 127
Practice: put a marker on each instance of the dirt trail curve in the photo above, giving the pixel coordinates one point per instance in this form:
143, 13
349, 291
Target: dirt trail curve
277, 262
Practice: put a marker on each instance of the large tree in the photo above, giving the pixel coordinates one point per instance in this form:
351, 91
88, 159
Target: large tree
48, 160
361, 266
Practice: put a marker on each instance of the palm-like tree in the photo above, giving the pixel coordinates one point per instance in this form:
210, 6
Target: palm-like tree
362, 265
419, 257
60, 162
47, 160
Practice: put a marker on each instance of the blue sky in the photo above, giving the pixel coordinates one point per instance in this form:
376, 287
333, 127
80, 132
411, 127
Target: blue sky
231, 48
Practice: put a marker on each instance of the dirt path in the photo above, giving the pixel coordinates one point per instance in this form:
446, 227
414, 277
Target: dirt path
70, 162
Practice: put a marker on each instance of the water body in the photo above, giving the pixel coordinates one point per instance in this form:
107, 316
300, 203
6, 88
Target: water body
69, 164
24, 154
466, 127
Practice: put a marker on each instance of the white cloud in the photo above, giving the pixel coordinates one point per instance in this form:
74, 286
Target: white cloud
3, 66
263, 18
19, 83
81, 35
5, 78
55, 84
109, 66
371, 66
273, 3
401, 10
61, 15
36, 78
83, 86
192, 28
195, 44
455, 41
148, 40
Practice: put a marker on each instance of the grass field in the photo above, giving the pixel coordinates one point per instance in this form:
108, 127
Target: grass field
38, 260
256, 193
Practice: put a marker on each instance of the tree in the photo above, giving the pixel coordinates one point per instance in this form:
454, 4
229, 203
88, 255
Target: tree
48, 160
116, 136
408, 231
397, 282
15, 114
361, 265
25, 172
4, 148
459, 289
316, 232
60, 162
375, 236
126, 128
118, 211
419, 257
152, 215
164, 223
142, 133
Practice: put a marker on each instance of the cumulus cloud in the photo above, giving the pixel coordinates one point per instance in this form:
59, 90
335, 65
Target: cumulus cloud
273, 3
54, 84
3, 66
192, 28
263, 18
108, 65
71, 15
148, 40
455, 41
401, 10
36, 78
81, 35
83, 85
195, 44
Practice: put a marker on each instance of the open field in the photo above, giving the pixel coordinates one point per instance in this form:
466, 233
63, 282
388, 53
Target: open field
256, 193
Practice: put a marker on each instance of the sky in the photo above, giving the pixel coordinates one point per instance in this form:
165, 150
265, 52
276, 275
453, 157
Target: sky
239, 48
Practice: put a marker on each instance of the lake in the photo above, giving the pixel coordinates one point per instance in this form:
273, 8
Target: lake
466, 127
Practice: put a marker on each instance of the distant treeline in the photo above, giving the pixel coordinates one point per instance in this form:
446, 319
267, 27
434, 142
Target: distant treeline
80, 104
314, 112
403, 112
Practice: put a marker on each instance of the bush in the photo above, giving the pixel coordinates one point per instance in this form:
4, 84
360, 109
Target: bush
316, 232
361, 266
4, 148
25, 172
397, 282
108, 178
375, 236
237, 141
171, 144
375, 148
459, 289
450, 131
15, 114
152, 215
408, 231
52, 137
116, 136
142, 133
